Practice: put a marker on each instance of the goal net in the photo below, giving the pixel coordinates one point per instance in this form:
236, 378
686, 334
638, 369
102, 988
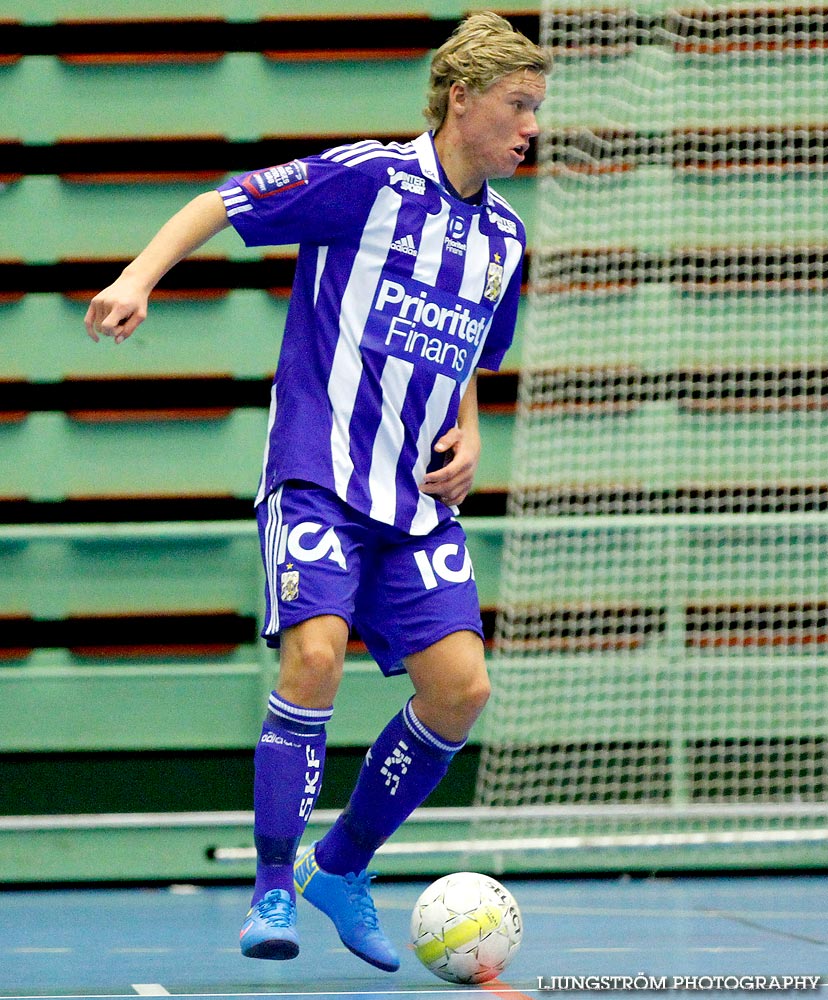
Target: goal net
660, 667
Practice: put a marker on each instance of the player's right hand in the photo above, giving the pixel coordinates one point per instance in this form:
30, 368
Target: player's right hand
117, 311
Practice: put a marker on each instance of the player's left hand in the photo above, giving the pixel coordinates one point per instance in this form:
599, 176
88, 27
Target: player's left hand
453, 481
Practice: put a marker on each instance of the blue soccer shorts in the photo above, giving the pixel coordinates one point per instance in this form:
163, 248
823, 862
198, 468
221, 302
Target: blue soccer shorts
401, 592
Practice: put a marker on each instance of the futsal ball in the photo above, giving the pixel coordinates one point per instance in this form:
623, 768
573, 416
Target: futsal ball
466, 928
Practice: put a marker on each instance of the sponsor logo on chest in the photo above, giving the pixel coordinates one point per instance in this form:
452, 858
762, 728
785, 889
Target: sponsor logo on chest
407, 182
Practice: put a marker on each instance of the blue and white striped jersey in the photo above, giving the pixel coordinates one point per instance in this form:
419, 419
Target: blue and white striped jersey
401, 291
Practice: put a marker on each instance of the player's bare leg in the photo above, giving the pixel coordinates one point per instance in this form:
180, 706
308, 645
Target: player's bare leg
311, 660
451, 684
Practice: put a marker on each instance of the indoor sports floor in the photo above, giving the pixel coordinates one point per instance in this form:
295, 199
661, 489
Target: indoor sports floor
181, 940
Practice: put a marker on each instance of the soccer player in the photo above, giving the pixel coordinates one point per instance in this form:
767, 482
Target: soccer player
407, 281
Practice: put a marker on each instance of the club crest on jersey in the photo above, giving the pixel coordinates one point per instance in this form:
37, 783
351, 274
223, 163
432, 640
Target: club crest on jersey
290, 585
494, 280
265, 183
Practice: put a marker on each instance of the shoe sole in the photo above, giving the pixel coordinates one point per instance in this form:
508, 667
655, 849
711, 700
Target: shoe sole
278, 951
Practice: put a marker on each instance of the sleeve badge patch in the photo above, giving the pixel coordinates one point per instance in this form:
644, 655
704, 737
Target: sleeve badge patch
264, 183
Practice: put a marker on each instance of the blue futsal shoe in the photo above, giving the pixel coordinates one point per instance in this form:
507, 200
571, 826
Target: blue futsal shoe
346, 899
269, 930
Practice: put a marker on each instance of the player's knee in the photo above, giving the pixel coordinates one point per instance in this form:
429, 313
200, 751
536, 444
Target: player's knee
320, 663
451, 683
475, 694
312, 677
462, 701
311, 663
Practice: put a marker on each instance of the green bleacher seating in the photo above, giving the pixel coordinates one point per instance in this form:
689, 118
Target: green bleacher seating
42, 338
55, 456
88, 220
44, 99
155, 621
725, 208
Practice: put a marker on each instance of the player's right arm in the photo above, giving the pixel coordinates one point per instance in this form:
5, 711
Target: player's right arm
119, 309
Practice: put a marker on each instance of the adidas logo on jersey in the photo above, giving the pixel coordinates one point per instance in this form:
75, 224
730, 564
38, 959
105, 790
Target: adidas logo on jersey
405, 245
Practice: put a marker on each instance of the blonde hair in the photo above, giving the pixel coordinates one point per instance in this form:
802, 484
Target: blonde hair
482, 49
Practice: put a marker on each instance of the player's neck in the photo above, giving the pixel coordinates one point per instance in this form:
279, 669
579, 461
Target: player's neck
463, 180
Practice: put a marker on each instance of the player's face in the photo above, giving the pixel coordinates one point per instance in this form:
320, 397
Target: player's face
499, 124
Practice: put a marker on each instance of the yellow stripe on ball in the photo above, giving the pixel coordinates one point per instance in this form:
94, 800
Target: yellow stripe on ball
482, 920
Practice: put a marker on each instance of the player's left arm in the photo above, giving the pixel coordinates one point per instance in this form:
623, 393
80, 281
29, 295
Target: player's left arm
461, 446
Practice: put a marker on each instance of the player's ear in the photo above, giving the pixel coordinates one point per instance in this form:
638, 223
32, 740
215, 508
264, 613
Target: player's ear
458, 97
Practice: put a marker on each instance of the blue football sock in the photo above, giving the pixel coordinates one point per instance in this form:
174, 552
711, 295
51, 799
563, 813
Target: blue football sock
289, 761
405, 764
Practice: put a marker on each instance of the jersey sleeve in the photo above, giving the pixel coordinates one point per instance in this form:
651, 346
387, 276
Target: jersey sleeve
310, 200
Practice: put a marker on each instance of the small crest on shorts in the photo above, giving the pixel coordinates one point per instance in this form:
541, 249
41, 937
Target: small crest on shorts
290, 585
494, 280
